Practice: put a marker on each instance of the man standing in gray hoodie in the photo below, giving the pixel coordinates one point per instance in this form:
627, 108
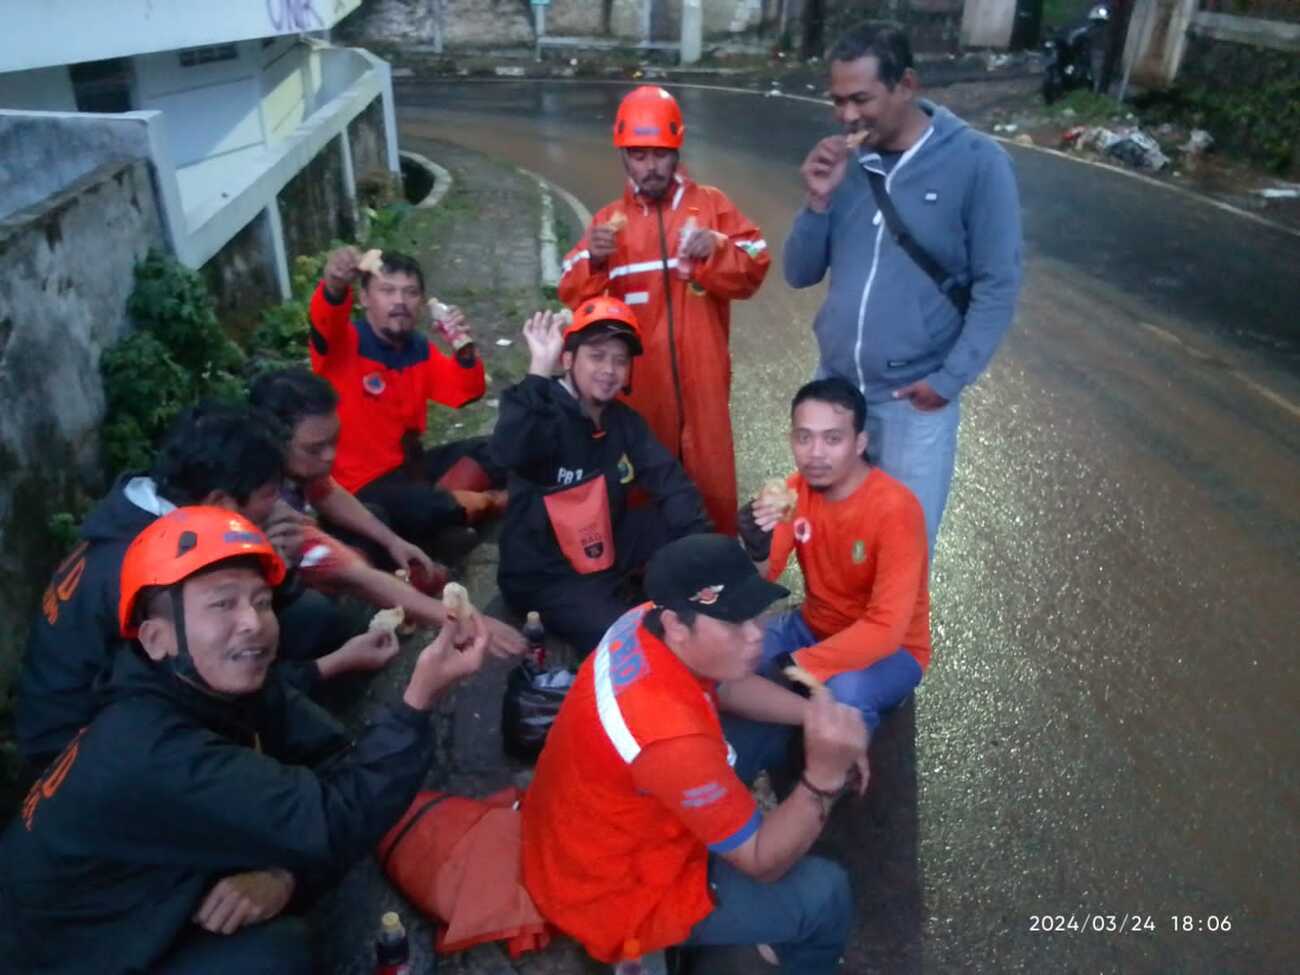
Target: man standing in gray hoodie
910, 337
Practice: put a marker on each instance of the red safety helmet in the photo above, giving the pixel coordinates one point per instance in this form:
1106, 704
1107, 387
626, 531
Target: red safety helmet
183, 542
610, 316
649, 118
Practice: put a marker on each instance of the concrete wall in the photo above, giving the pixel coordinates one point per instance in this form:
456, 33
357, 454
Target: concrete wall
1156, 36
314, 207
39, 35
42, 90
67, 272
45, 152
1258, 73
242, 277
367, 137
469, 23
502, 23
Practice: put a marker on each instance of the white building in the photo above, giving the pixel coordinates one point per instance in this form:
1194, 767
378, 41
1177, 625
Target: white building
229, 102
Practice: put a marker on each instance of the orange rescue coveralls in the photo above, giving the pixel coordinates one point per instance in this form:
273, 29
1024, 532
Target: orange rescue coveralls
682, 384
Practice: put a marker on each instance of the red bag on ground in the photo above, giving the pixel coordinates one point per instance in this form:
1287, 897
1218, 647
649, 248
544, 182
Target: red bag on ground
458, 860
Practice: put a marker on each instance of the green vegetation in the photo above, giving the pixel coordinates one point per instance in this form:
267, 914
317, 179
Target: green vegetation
177, 356
1082, 107
1259, 122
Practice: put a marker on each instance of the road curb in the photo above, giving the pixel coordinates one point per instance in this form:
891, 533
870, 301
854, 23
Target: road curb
1172, 187
548, 243
441, 178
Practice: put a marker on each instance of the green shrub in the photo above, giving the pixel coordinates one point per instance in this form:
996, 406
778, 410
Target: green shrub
177, 356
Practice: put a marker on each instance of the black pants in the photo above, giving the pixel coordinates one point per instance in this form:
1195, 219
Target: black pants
409, 501
281, 946
580, 608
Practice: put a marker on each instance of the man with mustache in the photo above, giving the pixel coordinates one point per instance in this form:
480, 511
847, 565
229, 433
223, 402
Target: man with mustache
678, 253
910, 338
859, 536
385, 371
171, 833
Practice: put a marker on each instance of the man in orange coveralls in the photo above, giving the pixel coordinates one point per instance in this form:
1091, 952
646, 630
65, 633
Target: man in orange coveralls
679, 253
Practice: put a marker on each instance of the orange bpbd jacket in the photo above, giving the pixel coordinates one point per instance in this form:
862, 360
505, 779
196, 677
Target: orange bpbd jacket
383, 392
866, 572
606, 863
686, 323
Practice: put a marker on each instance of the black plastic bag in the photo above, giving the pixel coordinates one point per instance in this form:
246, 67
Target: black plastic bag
533, 699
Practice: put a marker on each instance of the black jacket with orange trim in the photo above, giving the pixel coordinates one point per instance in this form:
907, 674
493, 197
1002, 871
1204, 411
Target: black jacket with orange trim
547, 443
170, 789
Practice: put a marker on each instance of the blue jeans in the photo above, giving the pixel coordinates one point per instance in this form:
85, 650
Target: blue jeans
918, 448
805, 916
873, 690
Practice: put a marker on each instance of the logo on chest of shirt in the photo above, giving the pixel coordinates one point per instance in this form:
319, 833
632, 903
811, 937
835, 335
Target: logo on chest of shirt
802, 531
626, 472
373, 383
859, 552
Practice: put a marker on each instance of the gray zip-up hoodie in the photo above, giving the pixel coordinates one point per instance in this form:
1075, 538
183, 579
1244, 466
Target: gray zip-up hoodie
885, 323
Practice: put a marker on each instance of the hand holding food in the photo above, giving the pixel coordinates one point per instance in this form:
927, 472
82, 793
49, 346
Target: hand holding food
388, 620
460, 612
775, 503
602, 242
372, 261
823, 170
341, 269
800, 676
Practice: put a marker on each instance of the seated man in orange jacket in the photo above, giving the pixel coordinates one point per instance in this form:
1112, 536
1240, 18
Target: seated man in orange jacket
385, 371
637, 832
859, 535
679, 253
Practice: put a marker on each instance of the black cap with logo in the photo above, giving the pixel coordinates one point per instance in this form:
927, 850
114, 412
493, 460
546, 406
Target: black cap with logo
710, 574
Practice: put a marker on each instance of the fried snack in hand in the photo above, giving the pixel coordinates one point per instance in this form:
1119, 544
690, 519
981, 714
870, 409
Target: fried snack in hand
777, 494
372, 261
388, 619
800, 676
617, 221
854, 140
460, 611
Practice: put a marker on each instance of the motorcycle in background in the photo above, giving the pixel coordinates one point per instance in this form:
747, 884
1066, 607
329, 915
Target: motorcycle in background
1072, 55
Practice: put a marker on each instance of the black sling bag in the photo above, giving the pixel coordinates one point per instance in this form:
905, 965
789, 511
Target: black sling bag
958, 294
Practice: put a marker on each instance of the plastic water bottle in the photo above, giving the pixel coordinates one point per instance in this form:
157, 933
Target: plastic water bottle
535, 634
392, 949
686, 264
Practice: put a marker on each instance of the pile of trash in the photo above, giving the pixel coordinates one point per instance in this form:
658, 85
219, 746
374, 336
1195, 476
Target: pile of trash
1132, 146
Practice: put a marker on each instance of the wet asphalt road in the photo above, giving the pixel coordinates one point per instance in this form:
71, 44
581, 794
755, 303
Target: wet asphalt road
1109, 727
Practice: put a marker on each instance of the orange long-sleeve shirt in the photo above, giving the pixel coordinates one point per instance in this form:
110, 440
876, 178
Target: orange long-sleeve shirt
866, 572
383, 392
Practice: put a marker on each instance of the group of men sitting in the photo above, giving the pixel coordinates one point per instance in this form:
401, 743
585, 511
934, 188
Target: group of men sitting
190, 796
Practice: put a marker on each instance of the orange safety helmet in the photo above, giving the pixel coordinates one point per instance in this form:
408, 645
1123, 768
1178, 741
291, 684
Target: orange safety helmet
183, 542
649, 118
611, 315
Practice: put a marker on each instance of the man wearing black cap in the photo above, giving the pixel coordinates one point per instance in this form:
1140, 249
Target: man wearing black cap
638, 834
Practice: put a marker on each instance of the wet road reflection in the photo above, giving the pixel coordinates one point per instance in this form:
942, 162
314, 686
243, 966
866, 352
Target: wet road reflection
1109, 727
